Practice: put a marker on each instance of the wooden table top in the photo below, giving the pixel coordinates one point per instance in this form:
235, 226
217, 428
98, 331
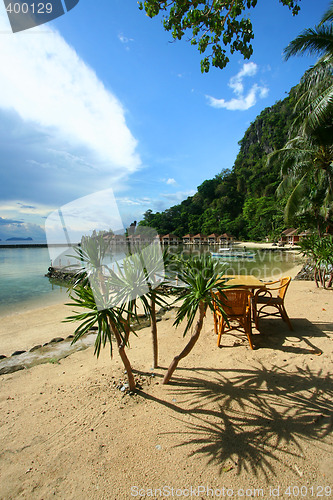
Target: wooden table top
246, 281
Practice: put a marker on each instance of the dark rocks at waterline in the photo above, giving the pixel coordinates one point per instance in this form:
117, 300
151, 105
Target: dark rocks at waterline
59, 348
11, 369
35, 348
66, 277
56, 340
51, 352
306, 273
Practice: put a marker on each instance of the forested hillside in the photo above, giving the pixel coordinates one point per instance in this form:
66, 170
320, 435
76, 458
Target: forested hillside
240, 201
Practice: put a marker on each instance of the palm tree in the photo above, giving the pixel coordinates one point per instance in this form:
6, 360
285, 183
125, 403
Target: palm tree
320, 253
110, 298
315, 92
307, 170
198, 275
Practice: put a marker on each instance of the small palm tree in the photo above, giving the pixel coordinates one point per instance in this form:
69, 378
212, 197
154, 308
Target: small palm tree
320, 252
199, 276
111, 297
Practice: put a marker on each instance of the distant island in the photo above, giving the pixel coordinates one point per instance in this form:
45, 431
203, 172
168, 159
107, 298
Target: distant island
19, 239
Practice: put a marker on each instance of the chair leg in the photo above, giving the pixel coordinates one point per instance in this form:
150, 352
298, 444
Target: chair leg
255, 316
221, 330
215, 322
248, 330
285, 317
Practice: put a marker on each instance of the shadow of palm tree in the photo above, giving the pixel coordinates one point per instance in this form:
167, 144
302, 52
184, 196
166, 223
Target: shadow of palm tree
252, 417
275, 335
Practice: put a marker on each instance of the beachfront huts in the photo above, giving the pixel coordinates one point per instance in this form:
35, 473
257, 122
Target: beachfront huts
292, 236
188, 239
199, 239
170, 239
225, 239
212, 239
289, 236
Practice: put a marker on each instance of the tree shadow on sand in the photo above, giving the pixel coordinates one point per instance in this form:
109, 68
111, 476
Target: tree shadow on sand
302, 340
252, 418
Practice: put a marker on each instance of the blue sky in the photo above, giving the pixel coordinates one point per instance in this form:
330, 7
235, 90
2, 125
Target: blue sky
100, 98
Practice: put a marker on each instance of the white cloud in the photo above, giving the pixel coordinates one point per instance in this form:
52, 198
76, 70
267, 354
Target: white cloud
123, 39
171, 182
44, 80
26, 207
128, 201
179, 196
241, 102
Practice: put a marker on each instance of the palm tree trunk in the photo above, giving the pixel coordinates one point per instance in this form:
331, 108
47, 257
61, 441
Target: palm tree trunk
153, 327
124, 358
189, 346
316, 275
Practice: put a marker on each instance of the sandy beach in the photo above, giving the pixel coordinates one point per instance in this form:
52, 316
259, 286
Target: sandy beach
232, 423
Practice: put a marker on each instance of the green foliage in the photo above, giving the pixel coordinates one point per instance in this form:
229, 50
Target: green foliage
320, 251
222, 26
199, 275
240, 201
109, 298
306, 164
315, 92
91, 316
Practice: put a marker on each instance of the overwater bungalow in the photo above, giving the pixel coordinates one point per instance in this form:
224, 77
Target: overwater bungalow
187, 239
170, 239
199, 239
212, 239
225, 239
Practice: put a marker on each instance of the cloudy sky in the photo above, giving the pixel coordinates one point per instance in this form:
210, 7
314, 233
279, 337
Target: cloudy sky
100, 99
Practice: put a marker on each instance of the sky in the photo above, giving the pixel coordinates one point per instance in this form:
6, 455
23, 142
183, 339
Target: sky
102, 99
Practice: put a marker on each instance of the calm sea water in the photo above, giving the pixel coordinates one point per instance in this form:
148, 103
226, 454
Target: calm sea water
23, 281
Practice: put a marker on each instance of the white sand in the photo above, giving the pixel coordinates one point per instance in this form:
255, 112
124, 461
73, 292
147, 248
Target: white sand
231, 417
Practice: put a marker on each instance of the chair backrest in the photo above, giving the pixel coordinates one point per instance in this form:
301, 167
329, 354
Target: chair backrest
284, 283
235, 302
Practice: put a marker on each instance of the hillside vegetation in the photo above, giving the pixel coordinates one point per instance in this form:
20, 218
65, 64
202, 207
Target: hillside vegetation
240, 201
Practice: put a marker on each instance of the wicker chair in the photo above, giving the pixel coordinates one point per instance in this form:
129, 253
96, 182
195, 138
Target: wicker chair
237, 308
264, 298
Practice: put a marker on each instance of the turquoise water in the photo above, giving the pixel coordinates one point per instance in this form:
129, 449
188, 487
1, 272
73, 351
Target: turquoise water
22, 278
23, 281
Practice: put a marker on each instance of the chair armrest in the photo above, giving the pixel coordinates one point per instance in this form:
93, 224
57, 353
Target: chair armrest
263, 292
268, 283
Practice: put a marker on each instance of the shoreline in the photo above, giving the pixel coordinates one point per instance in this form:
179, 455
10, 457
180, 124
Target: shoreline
22, 330
233, 417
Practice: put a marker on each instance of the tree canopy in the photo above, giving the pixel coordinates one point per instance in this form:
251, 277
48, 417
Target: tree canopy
240, 201
219, 26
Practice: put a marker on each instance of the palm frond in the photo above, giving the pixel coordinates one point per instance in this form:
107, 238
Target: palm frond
328, 16
312, 41
295, 198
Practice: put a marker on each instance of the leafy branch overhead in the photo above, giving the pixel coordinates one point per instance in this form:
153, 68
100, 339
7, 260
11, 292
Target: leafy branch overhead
221, 26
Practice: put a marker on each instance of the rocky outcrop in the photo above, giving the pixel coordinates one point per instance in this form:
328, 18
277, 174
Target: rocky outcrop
61, 276
306, 273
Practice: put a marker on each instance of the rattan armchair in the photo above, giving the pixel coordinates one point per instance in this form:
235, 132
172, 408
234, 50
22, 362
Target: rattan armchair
237, 308
271, 298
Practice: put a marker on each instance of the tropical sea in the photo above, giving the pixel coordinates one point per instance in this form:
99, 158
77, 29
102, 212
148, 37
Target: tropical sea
23, 283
